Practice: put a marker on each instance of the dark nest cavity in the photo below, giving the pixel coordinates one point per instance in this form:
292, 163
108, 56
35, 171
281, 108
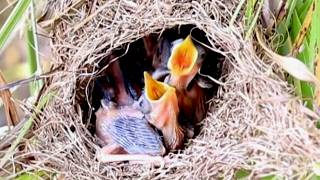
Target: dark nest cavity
134, 59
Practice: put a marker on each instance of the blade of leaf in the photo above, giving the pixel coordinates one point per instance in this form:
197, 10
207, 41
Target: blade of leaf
33, 175
254, 20
307, 94
303, 29
299, 6
305, 56
242, 174
318, 76
292, 5
14, 18
298, 88
295, 25
33, 52
304, 9
307, 89
283, 41
315, 44
249, 11
236, 12
316, 168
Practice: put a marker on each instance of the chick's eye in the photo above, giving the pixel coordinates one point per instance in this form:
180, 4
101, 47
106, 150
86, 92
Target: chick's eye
141, 103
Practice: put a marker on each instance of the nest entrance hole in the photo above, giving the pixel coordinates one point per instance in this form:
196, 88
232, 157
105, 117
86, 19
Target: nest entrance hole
134, 58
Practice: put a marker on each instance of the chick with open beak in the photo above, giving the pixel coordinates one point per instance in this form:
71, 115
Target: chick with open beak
122, 127
184, 63
164, 111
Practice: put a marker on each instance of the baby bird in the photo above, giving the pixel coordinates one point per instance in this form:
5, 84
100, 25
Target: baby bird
177, 63
164, 111
126, 128
122, 127
184, 63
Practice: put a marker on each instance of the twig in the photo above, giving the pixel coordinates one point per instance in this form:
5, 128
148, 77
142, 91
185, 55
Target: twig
10, 108
21, 82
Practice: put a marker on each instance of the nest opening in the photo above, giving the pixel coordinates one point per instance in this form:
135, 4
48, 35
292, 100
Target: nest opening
134, 58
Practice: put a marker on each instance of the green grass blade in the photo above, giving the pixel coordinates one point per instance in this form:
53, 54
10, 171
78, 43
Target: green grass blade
249, 13
304, 9
295, 25
13, 19
299, 6
254, 20
307, 91
292, 5
314, 38
33, 52
298, 88
302, 38
236, 12
242, 174
283, 41
314, 43
33, 175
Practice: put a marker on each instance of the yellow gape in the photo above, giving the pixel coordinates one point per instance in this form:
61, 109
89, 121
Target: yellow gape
155, 90
183, 58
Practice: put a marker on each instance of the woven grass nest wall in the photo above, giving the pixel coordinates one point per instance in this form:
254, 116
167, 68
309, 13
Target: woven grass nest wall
254, 121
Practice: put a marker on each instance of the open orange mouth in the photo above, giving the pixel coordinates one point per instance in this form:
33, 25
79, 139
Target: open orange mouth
183, 57
156, 90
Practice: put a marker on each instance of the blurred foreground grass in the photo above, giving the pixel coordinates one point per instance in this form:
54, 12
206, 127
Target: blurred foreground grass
16, 58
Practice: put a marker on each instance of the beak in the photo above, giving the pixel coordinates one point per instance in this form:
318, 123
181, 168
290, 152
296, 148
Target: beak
183, 64
156, 90
164, 111
183, 58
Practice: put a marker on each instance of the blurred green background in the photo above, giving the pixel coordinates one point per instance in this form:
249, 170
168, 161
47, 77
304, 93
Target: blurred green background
13, 62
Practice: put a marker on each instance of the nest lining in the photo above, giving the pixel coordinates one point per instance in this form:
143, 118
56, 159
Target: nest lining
254, 122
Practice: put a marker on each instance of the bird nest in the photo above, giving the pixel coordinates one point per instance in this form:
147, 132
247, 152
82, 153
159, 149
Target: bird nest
254, 122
